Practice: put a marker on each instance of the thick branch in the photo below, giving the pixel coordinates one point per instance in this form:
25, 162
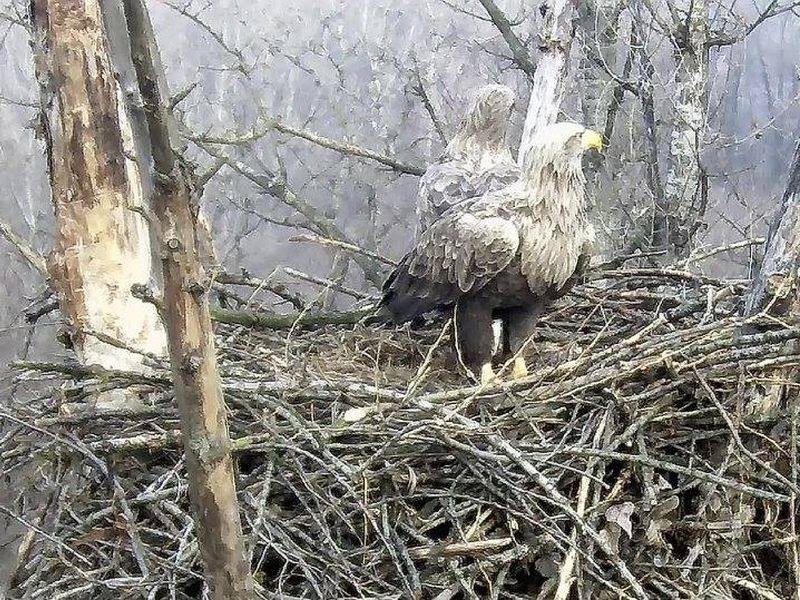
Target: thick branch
258, 283
268, 320
518, 51
191, 338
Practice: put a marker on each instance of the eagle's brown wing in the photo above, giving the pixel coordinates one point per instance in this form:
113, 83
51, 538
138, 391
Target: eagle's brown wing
458, 254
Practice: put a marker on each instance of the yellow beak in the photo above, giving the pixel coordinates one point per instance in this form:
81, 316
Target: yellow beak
591, 139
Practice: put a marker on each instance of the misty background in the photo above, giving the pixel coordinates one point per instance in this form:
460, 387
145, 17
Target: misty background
395, 77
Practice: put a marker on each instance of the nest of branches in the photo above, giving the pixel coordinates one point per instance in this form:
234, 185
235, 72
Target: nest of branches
651, 453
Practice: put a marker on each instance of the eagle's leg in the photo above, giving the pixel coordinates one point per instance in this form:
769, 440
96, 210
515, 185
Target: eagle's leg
474, 337
519, 325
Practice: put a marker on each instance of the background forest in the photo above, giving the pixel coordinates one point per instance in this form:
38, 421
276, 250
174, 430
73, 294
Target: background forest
395, 78
308, 124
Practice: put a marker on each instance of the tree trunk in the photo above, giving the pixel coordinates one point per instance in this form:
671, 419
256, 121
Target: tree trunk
600, 96
776, 279
658, 234
685, 185
191, 338
557, 28
102, 245
775, 289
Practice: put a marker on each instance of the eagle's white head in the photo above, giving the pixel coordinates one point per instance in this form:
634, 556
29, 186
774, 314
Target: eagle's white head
483, 129
553, 164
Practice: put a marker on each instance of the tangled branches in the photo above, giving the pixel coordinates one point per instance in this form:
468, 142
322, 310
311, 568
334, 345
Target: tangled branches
651, 454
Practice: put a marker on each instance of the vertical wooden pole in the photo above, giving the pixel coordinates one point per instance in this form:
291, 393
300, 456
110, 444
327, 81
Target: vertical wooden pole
191, 338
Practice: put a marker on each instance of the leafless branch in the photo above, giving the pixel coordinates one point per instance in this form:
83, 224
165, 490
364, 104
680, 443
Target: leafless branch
268, 124
327, 283
773, 9
25, 250
419, 90
278, 188
518, 51
241, 64
344, 246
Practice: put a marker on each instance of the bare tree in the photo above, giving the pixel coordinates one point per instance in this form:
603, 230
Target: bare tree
598, 21
191, 337
685, 187
102, 245
556, 28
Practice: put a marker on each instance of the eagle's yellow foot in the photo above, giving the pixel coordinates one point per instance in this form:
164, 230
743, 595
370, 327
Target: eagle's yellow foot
487, 374
520, 369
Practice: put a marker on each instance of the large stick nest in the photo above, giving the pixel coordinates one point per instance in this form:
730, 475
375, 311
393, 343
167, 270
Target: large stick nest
650, 454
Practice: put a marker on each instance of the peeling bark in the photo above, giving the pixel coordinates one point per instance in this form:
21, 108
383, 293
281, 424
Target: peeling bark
191, 338
102, 244
685, 185
775, 289
556, 29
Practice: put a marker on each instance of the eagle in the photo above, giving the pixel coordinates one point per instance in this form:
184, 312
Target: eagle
476, 161
506, 254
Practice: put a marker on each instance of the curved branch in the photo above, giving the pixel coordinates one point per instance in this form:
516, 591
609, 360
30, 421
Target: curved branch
268, 124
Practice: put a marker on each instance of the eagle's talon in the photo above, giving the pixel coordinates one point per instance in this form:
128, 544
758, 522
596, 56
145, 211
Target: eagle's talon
487, 374
520, 369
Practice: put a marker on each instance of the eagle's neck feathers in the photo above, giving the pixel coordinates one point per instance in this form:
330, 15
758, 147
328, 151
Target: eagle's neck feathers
554, 226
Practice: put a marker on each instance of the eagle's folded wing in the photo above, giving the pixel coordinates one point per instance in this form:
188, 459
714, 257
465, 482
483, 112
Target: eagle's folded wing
459, 253
465, 249
442, 186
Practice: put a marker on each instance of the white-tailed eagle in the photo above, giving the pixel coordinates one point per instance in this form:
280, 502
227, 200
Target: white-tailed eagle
506, 254
476, 161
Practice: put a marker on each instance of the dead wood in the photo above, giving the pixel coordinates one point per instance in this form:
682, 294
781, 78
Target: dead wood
629, 463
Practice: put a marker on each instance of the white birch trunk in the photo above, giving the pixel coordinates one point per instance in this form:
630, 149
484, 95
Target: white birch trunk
683, 187
556, 30
102, 244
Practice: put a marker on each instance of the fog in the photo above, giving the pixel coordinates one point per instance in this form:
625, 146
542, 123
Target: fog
376, 74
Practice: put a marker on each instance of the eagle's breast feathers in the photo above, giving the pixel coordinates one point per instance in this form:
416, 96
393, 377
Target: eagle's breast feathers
550, 251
